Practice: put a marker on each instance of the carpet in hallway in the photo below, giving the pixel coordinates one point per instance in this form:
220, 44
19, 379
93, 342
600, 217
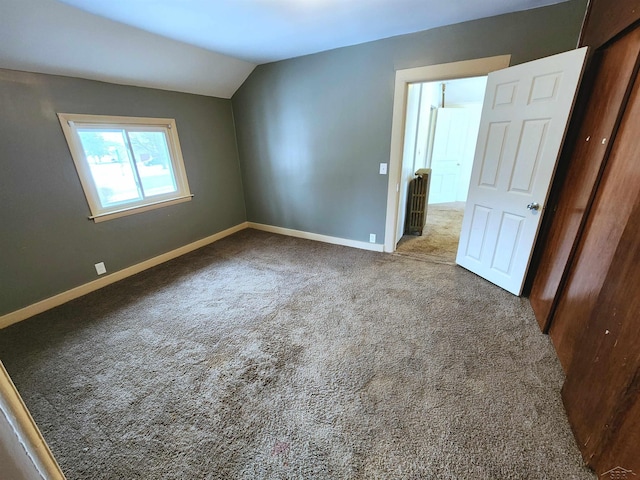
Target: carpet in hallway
439, 239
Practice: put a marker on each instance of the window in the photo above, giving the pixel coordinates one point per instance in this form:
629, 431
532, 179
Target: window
126, 164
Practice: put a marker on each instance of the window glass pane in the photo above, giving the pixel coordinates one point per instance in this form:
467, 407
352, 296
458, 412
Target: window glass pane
153, 162
110, 165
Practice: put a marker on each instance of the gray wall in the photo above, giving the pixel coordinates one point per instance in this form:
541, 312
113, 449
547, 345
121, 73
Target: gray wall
313, 130
47, 244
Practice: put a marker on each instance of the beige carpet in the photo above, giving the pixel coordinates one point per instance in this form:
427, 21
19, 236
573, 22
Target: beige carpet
439, 239
268, 357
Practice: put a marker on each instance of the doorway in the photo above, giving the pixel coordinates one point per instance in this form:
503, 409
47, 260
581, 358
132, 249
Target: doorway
441, 130
400, 173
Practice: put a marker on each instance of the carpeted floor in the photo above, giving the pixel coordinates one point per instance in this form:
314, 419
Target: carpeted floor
267, 357
440, 236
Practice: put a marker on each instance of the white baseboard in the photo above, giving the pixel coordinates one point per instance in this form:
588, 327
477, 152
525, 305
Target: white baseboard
64, 297
374, 247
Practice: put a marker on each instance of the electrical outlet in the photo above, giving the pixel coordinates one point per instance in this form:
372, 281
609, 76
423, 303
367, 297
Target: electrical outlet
100, 268
372, 238
383, 169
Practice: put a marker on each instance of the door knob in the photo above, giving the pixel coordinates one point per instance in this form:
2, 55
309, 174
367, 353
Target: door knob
533, 206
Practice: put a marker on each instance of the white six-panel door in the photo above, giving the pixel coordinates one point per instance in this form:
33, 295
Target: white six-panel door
453, 149
524, 119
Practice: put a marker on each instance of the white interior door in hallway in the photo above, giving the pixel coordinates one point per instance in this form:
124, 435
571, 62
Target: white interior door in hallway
454, 145
524, 120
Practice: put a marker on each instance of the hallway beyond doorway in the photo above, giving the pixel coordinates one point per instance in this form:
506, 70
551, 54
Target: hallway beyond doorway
439, 239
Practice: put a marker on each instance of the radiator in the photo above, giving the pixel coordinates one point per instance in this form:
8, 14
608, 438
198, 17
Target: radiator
417, 202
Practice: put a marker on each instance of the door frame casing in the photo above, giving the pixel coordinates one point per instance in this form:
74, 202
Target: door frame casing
404, 77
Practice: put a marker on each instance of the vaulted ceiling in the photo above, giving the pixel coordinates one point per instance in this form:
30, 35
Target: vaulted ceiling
203, 46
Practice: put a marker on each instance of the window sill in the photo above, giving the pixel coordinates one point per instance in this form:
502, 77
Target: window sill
102, 217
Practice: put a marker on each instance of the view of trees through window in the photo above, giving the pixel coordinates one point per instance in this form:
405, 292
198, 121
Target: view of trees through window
127, 165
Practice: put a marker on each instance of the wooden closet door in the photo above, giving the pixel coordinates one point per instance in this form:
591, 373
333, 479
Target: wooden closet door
609, 216
615, 67
602, 390
606, 19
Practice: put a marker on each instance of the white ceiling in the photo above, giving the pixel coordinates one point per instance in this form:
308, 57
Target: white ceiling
207, 46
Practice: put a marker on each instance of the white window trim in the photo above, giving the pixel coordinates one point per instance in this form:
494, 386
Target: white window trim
68, 121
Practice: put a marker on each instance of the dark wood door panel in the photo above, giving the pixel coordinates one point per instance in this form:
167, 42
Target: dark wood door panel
602, 390
616, 67
607, 220
623, 449
606, 19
